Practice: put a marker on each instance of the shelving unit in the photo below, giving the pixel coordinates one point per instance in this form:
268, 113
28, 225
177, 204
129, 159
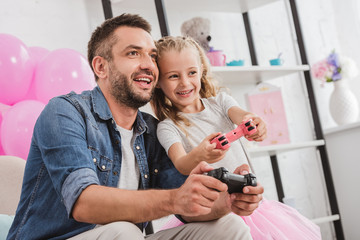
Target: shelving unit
276, 149
255, 74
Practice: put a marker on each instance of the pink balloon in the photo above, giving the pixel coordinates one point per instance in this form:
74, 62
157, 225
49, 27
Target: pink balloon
16, 69
2, 152
3, 109
60, 72
36, 54
17, 127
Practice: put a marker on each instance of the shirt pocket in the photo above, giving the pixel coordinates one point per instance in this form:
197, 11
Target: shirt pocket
103, 166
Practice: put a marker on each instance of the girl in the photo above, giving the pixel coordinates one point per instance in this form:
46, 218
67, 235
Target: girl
189, 106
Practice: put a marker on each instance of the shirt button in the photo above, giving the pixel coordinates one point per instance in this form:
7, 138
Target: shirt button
146, 176
156, 171
115, 173
137, 147
103, 167
94, 159
117, 142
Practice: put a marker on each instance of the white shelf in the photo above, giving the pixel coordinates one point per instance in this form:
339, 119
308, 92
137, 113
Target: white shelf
247, 5
275, 149
254, 74
326, 219
235, 6
341, 128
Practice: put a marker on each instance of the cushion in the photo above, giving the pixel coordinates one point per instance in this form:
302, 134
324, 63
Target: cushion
5, 224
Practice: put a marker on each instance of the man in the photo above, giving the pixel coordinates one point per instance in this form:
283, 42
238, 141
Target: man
93, 155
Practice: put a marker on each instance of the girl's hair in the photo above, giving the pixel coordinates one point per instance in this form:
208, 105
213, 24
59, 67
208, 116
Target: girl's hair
161, 105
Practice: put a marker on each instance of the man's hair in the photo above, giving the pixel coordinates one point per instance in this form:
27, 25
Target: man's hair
103, 38
160, 104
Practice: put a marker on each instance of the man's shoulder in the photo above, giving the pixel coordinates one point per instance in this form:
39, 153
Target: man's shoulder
149, 118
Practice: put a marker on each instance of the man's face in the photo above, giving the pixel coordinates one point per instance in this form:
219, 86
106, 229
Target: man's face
133, 71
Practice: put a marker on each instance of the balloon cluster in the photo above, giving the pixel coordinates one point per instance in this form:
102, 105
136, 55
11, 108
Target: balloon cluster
29, 78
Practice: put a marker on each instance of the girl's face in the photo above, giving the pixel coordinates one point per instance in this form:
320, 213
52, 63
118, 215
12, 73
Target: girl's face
179, 78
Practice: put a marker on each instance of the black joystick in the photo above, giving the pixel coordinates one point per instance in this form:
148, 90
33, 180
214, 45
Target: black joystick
235, 182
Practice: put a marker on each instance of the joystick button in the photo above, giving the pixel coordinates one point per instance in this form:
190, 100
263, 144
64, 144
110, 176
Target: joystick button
221, 138
224, 143
247, 123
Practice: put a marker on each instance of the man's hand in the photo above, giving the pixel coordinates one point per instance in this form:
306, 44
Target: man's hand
245, 203
196, 197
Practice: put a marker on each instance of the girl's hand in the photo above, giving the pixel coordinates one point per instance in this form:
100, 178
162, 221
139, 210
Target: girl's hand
261, 131
207, 151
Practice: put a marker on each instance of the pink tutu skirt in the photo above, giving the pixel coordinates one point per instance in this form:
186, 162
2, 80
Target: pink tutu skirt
273, 220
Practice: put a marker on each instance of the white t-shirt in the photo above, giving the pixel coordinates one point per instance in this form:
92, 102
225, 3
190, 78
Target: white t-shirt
130, 173
214, 118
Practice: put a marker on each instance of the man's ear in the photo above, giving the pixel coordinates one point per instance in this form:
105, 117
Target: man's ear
100, 66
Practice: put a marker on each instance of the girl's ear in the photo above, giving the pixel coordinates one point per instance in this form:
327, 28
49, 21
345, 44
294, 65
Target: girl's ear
100, 66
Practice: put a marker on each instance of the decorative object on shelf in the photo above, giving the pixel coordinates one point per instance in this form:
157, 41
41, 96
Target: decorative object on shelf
199, 29
239, 62
344, 106
277, 61
216, 57
266, 101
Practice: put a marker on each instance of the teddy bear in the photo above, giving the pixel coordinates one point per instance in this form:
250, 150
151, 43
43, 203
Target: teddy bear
199, 29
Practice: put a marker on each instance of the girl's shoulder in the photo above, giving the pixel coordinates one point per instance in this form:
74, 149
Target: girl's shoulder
220, 98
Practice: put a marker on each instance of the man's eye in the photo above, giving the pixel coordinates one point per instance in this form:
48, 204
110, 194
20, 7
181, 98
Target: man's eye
133, 53
153, 56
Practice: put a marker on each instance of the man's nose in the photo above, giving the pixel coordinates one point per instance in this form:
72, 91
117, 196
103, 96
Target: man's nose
148, 62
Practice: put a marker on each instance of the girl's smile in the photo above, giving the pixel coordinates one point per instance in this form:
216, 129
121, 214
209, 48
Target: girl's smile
180, 74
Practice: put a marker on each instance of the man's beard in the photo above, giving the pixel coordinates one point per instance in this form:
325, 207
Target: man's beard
123, 92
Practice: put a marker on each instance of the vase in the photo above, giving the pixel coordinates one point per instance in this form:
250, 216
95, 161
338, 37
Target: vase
344, 106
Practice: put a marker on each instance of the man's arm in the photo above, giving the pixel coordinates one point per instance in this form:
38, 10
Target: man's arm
196, 197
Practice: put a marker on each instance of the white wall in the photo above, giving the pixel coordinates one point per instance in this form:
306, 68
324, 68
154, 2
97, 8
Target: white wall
68, 24
51, 24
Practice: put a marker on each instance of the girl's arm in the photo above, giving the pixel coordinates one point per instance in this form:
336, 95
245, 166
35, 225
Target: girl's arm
237, 115
205, 151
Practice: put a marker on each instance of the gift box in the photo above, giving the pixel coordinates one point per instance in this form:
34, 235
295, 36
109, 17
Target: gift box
266, 102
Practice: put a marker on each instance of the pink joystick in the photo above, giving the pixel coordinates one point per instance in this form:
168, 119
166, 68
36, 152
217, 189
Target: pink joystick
245, 128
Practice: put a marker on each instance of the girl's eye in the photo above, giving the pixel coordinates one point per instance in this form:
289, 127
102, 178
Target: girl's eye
173, 76
192, 73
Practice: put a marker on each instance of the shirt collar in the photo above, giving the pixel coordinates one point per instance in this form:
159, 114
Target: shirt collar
101, 108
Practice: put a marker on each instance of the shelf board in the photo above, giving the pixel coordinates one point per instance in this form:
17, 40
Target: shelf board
251, 74
326, 219
275, 149
341, 128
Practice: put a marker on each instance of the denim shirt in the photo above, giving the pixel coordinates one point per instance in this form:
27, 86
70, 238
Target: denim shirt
76, 144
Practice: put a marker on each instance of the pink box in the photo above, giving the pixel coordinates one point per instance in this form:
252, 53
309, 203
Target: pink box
266, 101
